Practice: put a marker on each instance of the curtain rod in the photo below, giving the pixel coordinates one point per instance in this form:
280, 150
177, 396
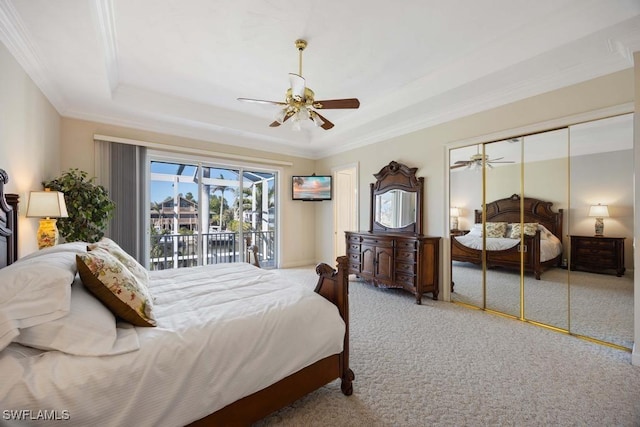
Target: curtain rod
189, 150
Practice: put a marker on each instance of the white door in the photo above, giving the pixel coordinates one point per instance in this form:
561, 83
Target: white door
345, 206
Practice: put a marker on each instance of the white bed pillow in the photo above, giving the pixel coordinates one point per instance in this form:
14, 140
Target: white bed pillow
73, 247
476, 230
34, 290
88, 330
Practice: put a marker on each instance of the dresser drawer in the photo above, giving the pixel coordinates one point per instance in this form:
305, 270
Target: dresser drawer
403, 267
594, 251
406, 256
353, 239
596, 245
406, 280
353, 248
382, 243
406, 244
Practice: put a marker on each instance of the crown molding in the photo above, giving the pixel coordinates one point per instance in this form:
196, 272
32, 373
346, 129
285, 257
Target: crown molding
16, 38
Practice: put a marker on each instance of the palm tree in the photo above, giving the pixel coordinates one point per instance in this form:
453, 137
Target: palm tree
222, 188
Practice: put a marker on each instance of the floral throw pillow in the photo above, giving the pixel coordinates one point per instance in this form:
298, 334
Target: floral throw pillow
496, 229
113, 284
130, 262
530, 229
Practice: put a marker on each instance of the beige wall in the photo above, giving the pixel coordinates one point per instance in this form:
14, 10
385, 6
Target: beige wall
297, 219
29, 140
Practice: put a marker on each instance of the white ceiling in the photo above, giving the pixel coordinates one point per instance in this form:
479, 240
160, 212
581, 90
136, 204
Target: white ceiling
177, 66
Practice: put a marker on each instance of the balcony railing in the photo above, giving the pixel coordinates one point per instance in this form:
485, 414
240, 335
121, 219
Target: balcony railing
181, 250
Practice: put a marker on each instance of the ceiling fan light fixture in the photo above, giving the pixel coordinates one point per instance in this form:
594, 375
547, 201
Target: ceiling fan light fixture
295, 123
316, 120
280, 115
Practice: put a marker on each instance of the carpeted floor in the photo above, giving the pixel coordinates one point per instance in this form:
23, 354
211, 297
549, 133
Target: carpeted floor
601, 304
440, 364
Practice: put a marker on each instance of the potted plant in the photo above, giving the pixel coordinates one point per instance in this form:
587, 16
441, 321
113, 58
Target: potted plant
88, 205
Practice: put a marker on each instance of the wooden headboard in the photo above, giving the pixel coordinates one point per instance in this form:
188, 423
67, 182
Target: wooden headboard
535, 210
8, 223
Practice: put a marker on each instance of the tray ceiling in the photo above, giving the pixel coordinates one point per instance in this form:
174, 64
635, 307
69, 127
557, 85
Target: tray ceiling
178, 67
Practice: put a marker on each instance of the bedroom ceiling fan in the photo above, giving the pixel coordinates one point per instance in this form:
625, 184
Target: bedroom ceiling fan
299, 103
476, 161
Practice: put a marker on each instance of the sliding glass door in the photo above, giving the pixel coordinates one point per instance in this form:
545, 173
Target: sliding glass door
203, 214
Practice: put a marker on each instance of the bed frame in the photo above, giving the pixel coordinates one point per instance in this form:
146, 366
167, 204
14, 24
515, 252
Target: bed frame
508, 210
332, 284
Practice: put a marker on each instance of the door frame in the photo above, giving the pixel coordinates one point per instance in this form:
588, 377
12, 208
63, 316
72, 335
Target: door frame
353, 198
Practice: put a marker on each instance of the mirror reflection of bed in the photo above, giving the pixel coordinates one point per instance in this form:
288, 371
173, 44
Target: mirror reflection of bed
567, 168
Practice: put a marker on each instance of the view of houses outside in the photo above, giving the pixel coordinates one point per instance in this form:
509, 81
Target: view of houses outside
206, 215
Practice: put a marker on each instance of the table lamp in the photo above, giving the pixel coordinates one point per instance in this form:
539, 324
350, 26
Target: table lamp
47, 205
599, 212
454, 213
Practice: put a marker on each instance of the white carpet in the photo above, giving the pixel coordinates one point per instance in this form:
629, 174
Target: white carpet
601, 304
440, 364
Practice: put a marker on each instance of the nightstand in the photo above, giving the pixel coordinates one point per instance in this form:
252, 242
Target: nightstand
597, 254
458, 232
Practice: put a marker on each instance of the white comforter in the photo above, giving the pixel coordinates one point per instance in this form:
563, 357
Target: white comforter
549, 248
224, 332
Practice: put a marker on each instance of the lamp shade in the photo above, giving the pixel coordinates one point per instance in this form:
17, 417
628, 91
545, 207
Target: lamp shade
454, 212
46, 204
599, 211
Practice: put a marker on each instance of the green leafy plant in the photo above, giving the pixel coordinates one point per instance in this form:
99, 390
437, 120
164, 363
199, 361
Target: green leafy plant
88, 205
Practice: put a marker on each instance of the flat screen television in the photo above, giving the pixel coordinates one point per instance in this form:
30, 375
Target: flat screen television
314, 188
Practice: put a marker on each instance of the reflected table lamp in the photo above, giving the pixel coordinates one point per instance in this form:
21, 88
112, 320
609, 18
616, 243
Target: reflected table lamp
47, 205
599, 212
454, 213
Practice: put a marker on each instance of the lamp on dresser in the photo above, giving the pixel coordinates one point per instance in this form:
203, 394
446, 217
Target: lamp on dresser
599, 212
47, 205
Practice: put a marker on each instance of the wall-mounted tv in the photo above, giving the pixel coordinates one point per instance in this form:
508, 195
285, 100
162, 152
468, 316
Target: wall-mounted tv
313, 188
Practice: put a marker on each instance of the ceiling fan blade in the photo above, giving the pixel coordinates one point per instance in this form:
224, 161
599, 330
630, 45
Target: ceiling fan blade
297, 85
327, 124
504, 161
261, 101
457, 166
337, 103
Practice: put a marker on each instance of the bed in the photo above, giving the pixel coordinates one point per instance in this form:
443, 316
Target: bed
224, 345
541, 245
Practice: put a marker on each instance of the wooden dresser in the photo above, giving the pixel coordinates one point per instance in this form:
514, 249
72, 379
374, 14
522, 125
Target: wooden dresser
395, 260
597, 253
393, 253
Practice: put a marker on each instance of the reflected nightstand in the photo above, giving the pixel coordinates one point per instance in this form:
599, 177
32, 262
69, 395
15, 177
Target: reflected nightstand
597, 254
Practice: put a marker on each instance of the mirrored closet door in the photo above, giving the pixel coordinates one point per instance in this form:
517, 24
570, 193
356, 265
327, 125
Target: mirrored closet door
602, 265
523, 242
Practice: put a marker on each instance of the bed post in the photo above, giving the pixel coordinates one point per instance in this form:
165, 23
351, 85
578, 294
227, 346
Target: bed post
334, 286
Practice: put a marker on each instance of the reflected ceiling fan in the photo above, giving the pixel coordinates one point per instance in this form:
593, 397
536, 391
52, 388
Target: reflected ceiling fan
299, 103
476, 161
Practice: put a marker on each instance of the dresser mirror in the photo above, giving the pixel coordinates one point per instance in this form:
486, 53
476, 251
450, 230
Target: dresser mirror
558, 174
395, 209
396, 200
